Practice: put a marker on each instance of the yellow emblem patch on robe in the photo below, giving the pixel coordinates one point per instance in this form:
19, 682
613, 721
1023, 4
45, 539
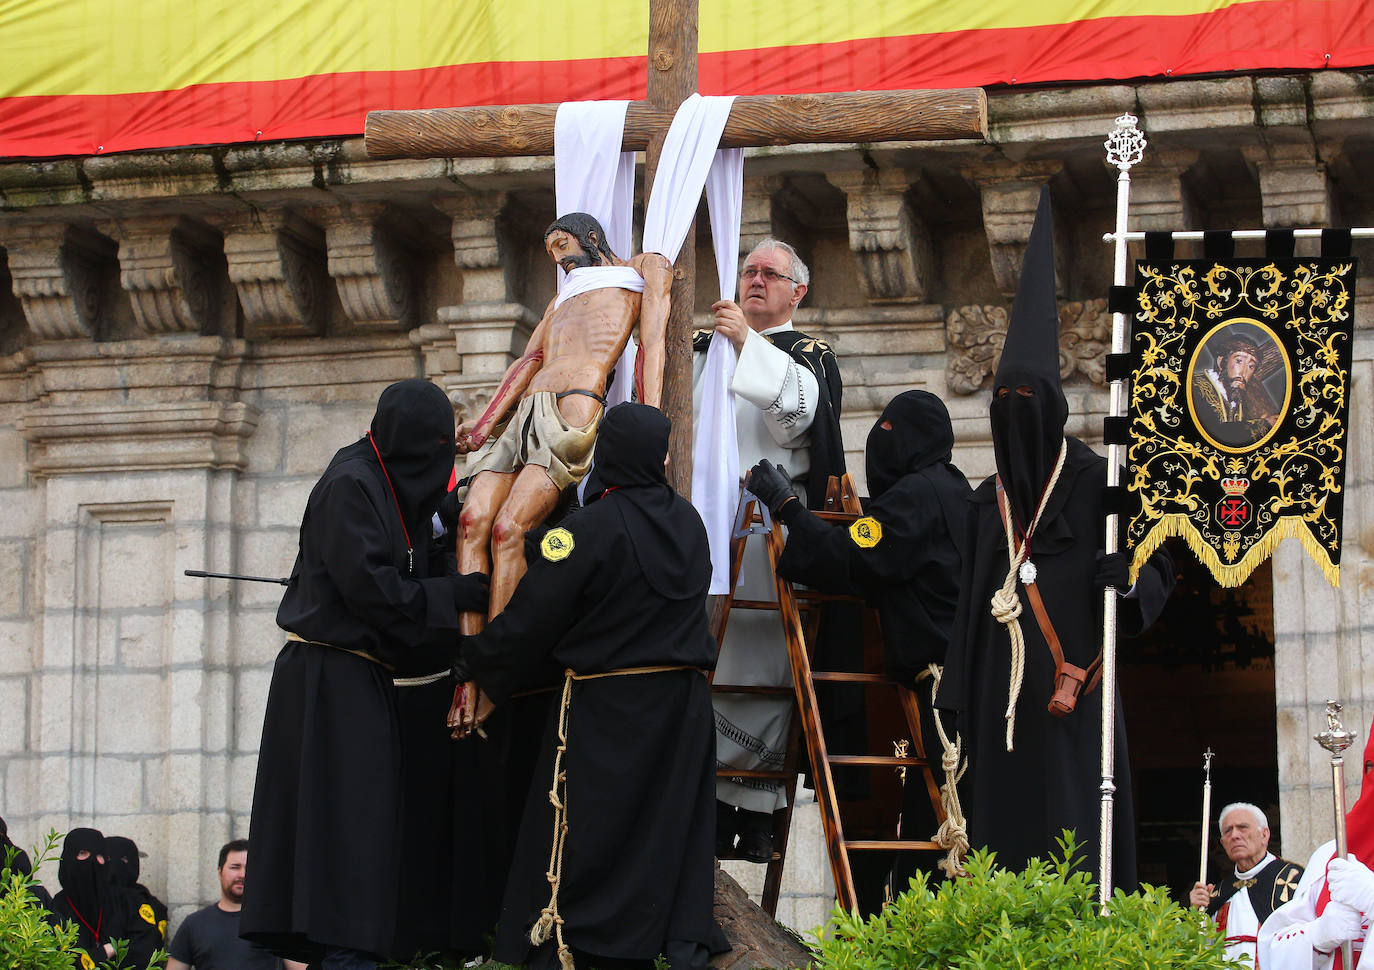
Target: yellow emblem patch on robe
557, 545
162, 928
86, 962
866, 532
146, 912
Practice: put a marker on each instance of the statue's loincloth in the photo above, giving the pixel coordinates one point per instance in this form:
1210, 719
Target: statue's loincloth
538, 434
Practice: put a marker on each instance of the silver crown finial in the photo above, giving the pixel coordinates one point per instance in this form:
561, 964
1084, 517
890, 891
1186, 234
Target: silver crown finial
1126, 143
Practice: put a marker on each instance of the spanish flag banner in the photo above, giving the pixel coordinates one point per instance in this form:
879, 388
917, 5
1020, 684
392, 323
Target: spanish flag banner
1238, 409
120, 75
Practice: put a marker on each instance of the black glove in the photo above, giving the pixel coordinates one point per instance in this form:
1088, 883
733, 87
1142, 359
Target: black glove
471, 592
1113, 569
449, 510
771, 484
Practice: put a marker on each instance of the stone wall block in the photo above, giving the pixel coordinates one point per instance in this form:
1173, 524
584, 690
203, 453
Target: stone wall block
118, 786
374, 269
14, 558
279, 268
173, 269
14, 725
756, 213
59, 275
891, 244
250, 703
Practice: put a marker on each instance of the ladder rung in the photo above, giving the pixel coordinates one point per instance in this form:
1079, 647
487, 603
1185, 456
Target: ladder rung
752, 689
844, 677
829, 515
754, 773
754, 605
876, 760
900, 845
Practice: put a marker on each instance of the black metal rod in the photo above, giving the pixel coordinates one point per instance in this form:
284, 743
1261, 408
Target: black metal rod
283, 581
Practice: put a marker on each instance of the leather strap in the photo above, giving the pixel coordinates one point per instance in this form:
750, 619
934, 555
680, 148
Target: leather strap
1069, 679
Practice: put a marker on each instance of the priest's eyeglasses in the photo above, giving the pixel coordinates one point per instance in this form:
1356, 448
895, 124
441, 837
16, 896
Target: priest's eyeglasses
769, 275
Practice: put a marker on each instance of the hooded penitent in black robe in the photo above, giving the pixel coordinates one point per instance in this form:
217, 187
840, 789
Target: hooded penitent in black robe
903, 558
1019, 801
122, 865
20, 863
619, 584
328, 808
101, 912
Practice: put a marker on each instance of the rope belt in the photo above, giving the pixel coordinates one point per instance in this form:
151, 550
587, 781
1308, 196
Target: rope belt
398, 681
549, 917
1006, 604
952, 835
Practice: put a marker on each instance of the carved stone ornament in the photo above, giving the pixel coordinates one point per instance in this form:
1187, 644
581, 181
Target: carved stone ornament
58, 275
976, 334
174, 274
279, 268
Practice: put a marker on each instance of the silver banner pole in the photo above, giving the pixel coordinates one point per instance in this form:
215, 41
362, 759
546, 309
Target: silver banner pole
1125, 146
1336, 739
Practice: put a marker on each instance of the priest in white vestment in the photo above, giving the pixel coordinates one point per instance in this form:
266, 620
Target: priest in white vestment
1259, 883
778, 398
1334, 902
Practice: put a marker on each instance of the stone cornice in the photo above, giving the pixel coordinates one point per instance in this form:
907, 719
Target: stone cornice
138, 437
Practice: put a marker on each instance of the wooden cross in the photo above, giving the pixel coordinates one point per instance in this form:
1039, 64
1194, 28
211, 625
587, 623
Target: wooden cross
497, 130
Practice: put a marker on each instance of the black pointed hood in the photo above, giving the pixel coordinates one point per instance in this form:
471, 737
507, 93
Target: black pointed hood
666, 533
1028, 409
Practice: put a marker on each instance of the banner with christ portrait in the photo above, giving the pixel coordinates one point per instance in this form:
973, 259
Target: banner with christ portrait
1239, 396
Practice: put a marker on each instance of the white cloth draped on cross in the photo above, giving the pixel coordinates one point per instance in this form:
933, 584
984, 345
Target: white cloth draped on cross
589, 176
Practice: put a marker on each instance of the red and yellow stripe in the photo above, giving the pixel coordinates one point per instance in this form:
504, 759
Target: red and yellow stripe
118, 75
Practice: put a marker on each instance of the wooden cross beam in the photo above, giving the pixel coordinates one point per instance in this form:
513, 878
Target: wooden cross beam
754, 120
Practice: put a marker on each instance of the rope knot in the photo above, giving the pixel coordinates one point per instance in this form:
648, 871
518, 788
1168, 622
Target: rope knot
1006, 605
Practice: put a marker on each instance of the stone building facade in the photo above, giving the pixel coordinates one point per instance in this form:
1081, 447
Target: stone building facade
189, 335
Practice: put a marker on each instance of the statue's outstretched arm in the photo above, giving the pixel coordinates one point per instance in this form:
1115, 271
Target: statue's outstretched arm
653, 327
471, 434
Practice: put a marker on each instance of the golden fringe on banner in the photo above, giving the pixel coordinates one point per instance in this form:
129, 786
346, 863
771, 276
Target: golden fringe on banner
1234, 574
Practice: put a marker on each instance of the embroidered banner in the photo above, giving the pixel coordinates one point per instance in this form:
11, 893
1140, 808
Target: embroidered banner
1238, 404
119, 75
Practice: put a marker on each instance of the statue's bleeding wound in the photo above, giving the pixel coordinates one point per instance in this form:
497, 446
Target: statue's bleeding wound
533, 358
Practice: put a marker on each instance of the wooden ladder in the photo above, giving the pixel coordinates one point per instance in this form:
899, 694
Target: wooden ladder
752, 518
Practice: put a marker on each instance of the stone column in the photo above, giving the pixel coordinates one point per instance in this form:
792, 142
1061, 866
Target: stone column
474, 342
173, 269
1010, 194
375, 269
1160, 199
890, 242
1295, 190
135, 451
61, 274
277, 262
1324, 641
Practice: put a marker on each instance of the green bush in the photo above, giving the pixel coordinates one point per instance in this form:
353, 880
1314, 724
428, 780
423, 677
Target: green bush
1044, 918
28, 941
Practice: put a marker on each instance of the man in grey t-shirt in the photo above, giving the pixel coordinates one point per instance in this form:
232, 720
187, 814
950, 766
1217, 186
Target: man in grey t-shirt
208, 939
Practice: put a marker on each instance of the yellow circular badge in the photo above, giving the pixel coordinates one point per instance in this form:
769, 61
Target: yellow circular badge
86, 962
557, 545
866, 532
146, 912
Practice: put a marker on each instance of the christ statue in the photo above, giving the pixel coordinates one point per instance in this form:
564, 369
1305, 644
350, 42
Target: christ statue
556, 392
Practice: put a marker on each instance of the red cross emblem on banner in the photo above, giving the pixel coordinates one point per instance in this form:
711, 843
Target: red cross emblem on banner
1233, 512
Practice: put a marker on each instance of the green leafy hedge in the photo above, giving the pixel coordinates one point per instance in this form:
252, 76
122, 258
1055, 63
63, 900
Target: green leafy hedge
1044, 918
28, 941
